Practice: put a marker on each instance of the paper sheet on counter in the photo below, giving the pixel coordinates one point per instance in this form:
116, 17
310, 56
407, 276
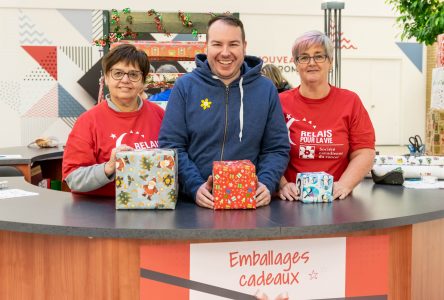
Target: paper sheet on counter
423, 185
10, 156
14, 193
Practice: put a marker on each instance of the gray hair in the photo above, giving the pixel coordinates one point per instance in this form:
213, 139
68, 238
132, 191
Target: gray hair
309, 39
167, 68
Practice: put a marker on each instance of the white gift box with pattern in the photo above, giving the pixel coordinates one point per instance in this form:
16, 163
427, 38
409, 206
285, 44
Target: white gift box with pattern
146, 179
315, 187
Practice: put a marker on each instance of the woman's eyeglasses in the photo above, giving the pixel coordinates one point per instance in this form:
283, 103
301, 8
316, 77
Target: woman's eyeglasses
118, 74
305, 59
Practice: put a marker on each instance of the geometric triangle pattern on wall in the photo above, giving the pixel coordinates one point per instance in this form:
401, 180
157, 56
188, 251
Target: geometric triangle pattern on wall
28, 34
68, 106
413, 51
9, 94
69, 121
80, 55
80, 20
46, 56
97, 24
45, 107
90, 81
32, 128
38, 74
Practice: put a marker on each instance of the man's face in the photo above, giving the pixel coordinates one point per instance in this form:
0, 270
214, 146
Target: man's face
225, 50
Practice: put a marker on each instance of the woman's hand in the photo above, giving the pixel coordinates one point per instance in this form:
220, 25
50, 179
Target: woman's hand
361, 162
110, 165
340, 190
288, 191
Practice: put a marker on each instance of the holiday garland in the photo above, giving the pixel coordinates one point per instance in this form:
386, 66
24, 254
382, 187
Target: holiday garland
128, 33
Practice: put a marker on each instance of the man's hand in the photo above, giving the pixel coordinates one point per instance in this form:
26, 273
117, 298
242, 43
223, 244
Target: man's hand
204, 197
340, 191
289, 191
263, 196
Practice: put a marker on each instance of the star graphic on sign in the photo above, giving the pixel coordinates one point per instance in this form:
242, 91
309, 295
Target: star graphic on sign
288, 116
313, 275
137, 132
113, 136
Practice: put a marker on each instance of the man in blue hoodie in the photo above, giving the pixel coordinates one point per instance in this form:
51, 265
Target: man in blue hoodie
225, 110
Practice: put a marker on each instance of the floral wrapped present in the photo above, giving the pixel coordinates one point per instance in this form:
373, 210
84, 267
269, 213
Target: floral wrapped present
146, 179
315, 187
234, 184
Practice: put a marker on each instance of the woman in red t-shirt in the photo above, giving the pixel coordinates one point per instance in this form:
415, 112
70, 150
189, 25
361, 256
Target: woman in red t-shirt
329, 128
123, 122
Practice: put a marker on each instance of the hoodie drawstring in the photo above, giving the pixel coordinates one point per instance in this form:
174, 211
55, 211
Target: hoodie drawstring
241, 111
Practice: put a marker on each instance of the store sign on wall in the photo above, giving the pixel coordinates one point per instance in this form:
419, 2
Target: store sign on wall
321, 268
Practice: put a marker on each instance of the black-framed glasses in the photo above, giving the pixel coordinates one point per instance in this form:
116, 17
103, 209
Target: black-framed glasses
118, 74
305, 59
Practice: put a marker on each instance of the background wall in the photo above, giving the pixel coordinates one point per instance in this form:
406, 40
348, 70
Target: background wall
46, 48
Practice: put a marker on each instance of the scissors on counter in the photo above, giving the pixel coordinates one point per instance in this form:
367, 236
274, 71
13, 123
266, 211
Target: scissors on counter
416, 146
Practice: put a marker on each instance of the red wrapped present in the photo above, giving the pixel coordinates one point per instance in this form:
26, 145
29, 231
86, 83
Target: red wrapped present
234, 184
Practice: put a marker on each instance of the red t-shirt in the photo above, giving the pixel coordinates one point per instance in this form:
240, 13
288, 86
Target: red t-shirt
100, 129
323, 132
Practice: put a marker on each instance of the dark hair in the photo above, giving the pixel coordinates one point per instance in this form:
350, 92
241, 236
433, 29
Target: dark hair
130, 55
230, 20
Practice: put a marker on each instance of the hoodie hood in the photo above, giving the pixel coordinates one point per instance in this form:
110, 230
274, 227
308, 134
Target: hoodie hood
250, 70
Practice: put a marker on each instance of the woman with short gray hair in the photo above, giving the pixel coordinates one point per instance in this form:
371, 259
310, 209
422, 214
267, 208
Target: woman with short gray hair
329, 128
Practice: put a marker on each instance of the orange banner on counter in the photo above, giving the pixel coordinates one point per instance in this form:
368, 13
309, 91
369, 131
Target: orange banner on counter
167, 50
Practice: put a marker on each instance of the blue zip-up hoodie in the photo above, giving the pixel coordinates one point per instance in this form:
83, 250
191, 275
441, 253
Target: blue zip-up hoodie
207, 121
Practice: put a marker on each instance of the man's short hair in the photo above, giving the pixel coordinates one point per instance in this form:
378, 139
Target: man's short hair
230, 20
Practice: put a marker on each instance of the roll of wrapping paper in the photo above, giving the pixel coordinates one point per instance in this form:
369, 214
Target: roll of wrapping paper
409, 160
411, 171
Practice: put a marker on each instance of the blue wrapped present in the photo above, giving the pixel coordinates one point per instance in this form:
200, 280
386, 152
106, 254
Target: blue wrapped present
315, 187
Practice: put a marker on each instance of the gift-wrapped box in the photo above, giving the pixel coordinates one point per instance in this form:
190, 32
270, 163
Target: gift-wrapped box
146, 179
234, 184
315, 187
440, 50
435, 132
184, 51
